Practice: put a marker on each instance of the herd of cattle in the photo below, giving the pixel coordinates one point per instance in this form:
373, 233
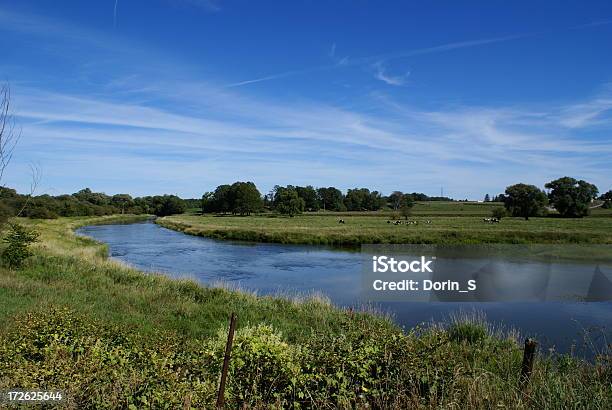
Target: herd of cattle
407, 222
427, 221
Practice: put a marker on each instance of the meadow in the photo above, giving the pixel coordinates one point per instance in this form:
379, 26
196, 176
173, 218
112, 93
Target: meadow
109, 336
450, 223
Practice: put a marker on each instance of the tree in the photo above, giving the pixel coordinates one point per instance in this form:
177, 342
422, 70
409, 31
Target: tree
361, 199
607, 198
524, 200
167, 205
220, 200
406, 204
122, 201
9, 135
309, 195
245, 198
395, 200
287, 201
330, 199
571, 198
19, 238
487, 198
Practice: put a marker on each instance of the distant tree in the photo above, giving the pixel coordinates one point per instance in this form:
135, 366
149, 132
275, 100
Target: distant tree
245, 198
222, 197
524, 200
406, 204
418, 196
395, 200
487, 198
207, 202
499, 198
122, 201
607, 196
571, 198
361, 199
374, 201
287, 201
331, 199
309, 195
167, 205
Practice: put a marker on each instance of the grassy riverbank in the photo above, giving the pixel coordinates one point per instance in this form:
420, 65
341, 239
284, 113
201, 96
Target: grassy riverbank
371, 228
110, 336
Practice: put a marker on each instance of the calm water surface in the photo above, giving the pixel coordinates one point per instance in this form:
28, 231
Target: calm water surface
304, 269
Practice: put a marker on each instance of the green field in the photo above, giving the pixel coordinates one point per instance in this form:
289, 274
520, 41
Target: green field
451, 223
113, 337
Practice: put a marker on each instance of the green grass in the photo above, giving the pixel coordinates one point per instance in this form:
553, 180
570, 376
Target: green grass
113, 337
74, 271
323, 228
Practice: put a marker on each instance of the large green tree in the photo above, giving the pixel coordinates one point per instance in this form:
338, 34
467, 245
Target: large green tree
330, 199
287, 200
524, 200
245, 198
361, 199
570, 197
309, 195
122, 201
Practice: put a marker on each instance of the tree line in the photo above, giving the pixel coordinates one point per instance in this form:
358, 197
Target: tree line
243, 198
568, 196
85, 203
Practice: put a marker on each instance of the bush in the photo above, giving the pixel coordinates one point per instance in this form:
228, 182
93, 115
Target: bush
19, 239
498, 212
263, 367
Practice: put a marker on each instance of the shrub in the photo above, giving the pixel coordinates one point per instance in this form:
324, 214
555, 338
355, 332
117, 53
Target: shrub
263, 367
498, 212
19, 239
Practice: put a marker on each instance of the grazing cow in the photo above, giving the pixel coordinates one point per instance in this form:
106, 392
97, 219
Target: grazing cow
341, 221
388, 221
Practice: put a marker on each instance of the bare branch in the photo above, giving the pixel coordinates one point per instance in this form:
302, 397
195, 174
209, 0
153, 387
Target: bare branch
9, 132
36, 173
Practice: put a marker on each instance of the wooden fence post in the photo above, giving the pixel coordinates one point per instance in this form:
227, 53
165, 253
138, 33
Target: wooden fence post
527, 366
226, 359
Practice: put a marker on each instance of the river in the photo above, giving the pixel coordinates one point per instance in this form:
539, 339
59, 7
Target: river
291, 270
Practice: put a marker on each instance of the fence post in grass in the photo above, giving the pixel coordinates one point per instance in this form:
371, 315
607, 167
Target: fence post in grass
226, 359
527, 366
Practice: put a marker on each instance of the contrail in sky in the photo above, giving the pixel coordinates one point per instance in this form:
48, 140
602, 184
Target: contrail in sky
409, 53
388, 56
115, 14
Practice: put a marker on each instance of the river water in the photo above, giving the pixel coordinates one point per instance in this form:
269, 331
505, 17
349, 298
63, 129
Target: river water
305, 269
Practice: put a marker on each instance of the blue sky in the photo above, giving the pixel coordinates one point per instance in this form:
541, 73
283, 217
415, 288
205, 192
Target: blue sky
178, 96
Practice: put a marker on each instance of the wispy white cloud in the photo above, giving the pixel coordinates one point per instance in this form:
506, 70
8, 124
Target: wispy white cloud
345, 61
382, 75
